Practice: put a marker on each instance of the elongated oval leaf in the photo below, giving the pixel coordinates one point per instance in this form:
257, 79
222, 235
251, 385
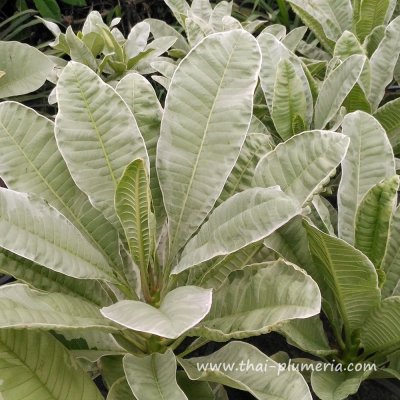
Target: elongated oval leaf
253, 302
90, 109
179, 311
141, 99
32, 229
22, 307
207, 114
31, 162
289, 101
36, 364
373, 218
391, 260
369, 160
383, 62
50, 281
302, 164
153, 376
21, 77
133, 205
265, 385
381, 331
349, 274
335, 89
243, 219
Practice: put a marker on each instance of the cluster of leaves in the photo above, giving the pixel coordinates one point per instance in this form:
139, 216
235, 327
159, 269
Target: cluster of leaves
131, 225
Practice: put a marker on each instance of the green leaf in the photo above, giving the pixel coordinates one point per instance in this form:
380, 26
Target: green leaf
210, 131
172, 319
373, 218
331, 385
22, 77
389, 117
34, 363
25, 308
50, 281
141, 99
381, 331
153, 376
48, 9
391, 260
335, 89
257, 300
264, 382
348, 273
180, 9
26, 141
369, 160
133, 205
79, 52
273, 51
308, 335
254, 147
32, 229
294, 37
383, 62
120, 390
347, 45
194, 390
372, 13
302, 164
245, 218
289, 99
89, 107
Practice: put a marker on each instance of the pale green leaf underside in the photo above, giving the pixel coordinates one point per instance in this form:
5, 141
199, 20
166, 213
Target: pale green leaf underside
31, 162
348, 273
391, 261
120, 390
32, 229
133, 206
180, 310
267, 385
245, 218
289, 100
369, 160
25, 308
301, 165
212, 92
153, 376
34, 365
97, 135
373, 218
257, 300
381, 331
21, 76
336, 385
335, 89
50, 281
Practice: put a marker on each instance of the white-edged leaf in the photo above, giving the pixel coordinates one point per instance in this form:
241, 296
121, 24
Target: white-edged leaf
31, 162
25, 308
265, 385
153, 376
383, 62
207, 113
245, 218
369, 160
180, 310
257, 300
90, 109
32, 229
335, 88
302, 164
137, 40
222, 9
29, 362
20, 76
